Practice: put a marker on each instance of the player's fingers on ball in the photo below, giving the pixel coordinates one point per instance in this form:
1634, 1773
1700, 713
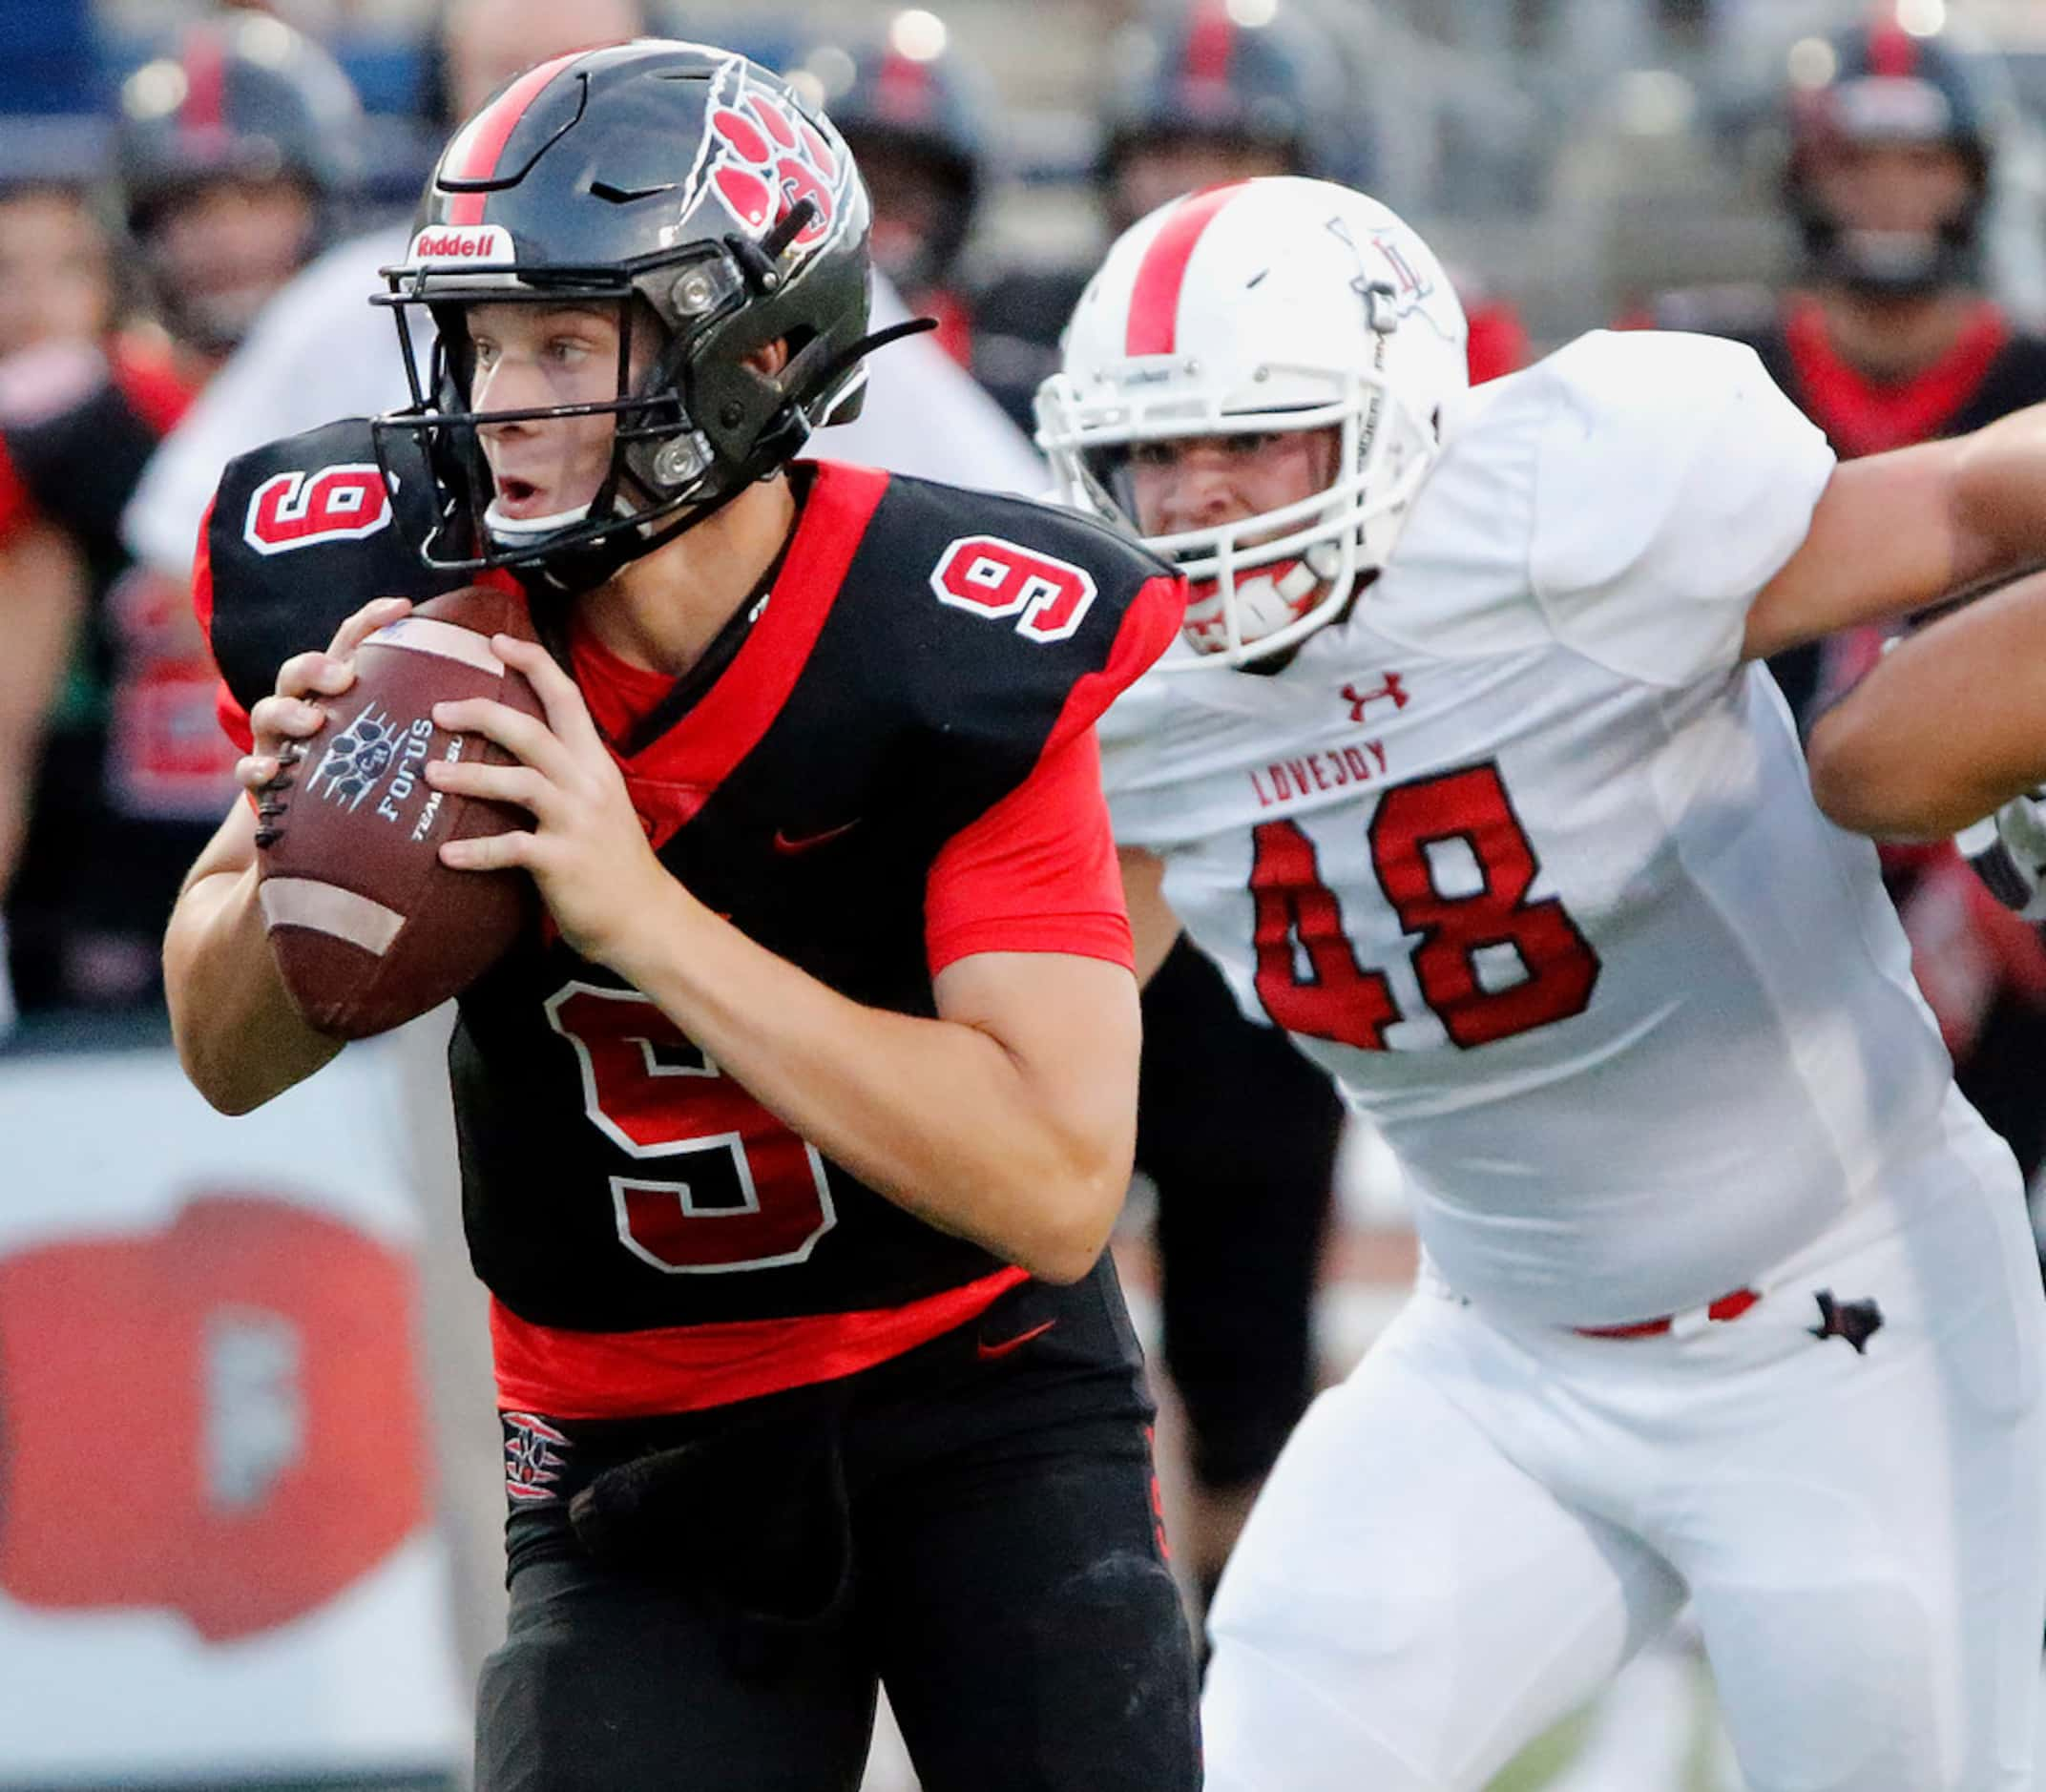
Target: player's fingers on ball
366, 622
525, 737
277, 720
487, 852
567, 713
300, 674
253, 771
518, 784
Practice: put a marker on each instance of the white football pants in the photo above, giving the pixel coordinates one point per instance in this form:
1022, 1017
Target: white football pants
1469, 1537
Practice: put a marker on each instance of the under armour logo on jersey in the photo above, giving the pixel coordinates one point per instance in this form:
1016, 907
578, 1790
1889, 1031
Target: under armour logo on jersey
1391, 688
1855, 1321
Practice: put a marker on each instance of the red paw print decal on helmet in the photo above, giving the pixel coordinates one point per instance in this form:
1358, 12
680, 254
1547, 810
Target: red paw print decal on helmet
766, 156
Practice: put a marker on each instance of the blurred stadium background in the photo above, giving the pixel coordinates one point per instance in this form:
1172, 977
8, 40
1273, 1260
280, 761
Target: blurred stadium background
248, 1466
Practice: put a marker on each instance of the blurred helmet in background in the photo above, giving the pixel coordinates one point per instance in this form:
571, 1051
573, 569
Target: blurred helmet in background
235, 156
1274, 306
1212, 90
913, 114
1892, 148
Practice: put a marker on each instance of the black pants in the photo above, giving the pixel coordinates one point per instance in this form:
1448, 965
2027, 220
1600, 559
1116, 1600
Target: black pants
978, 1531
1240, 1133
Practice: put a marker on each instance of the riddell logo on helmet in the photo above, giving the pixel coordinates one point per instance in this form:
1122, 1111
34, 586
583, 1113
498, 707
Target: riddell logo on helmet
460, 242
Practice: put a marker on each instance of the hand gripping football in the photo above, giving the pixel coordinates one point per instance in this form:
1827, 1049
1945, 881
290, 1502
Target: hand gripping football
369, 928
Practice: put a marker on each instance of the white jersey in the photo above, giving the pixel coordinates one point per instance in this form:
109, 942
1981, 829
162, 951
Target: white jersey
1526, 856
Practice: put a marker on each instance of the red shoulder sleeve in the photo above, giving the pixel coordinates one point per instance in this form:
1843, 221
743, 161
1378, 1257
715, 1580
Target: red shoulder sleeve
1038, 872
234, 719
1035, 873
1155, 615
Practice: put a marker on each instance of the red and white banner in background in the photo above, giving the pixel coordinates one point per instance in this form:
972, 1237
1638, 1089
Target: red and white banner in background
216, 1551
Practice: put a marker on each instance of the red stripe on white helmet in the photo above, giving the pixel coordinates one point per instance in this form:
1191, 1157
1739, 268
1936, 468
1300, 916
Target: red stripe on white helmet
1154, 322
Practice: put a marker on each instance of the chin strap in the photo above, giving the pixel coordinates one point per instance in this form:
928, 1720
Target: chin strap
519, 531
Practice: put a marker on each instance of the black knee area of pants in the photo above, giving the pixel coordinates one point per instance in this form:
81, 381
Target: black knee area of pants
1128, 1603
1079, 1725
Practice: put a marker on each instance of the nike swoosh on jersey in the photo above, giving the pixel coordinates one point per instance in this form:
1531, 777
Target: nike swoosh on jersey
784, 842
987, 1351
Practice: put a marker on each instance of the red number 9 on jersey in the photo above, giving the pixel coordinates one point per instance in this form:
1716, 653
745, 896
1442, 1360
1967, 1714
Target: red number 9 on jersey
755, 1196
995, 577
291, 510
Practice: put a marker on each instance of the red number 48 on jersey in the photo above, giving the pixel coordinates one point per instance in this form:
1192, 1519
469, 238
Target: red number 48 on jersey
1308, 977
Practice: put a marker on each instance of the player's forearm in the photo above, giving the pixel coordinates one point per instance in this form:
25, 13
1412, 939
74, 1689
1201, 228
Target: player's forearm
936, 1114
1999, 498
1153, 928
238, 1036
1949, 727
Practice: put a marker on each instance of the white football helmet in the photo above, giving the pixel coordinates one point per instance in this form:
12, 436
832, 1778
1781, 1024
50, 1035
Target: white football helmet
1271, 305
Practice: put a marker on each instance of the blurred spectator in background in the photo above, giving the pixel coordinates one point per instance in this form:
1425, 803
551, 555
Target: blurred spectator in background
56, 251
1888, 338
1201, 92
230, 167
324, 351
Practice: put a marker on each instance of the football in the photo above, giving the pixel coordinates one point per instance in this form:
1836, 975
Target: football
369, 928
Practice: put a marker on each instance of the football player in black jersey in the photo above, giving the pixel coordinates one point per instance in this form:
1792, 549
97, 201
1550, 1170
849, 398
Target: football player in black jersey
791, 1142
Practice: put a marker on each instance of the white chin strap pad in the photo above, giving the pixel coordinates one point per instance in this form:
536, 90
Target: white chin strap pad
521, 529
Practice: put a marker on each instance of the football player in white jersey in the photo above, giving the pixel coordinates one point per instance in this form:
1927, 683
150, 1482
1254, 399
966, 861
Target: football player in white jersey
1467, 774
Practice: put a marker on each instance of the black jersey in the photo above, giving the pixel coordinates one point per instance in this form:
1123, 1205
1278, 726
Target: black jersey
1991, 371
895, 769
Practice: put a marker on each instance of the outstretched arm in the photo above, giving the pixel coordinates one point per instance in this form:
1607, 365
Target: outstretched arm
1897, 532
1948, 728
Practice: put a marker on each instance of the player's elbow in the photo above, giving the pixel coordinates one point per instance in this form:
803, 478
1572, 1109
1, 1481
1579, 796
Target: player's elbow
212, 1068
1074, 1226
1844, 771
1862, 784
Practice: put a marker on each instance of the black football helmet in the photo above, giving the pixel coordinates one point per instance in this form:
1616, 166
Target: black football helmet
1879, 82
674, 174
1197, 69
240, 97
